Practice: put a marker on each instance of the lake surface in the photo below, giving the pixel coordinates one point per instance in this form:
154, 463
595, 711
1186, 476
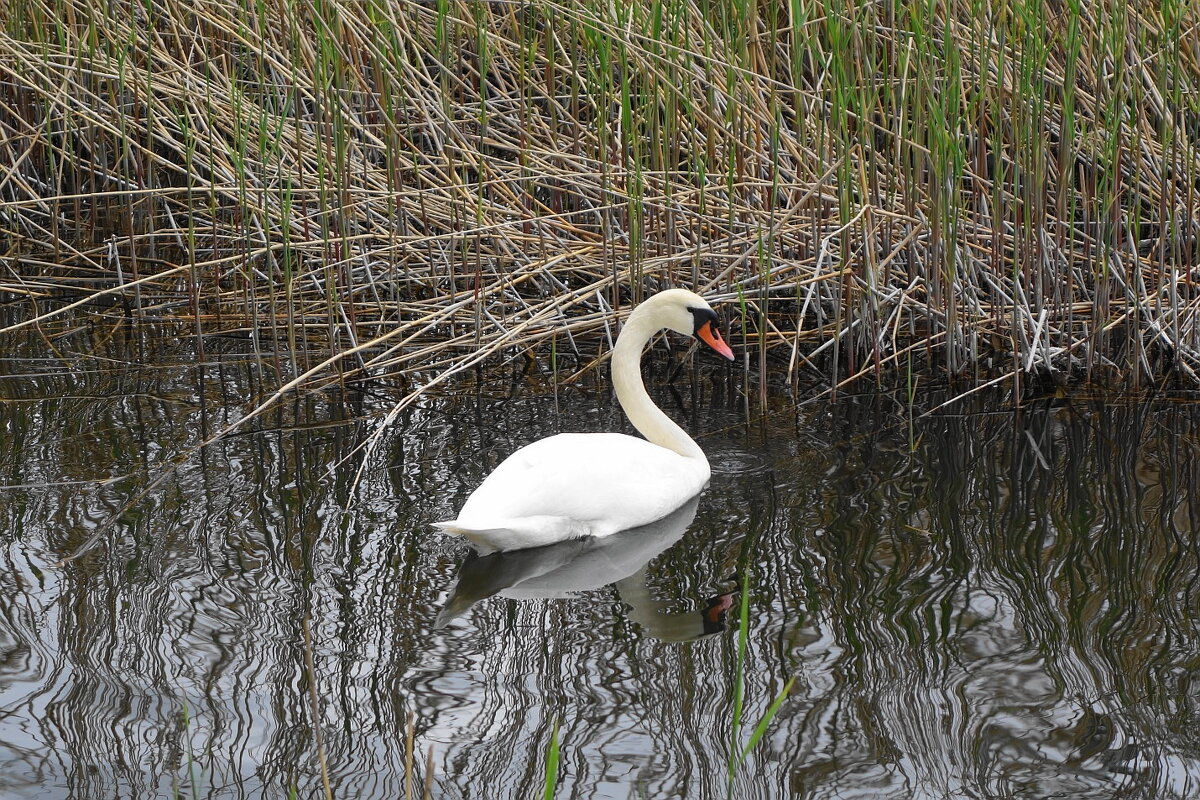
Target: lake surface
981, 602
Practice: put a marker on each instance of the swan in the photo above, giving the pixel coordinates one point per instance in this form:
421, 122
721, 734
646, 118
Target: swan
574, 485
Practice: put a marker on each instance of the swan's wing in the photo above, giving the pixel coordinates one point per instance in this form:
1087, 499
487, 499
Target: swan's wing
605, 482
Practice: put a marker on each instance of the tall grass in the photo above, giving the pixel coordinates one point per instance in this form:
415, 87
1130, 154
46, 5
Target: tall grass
997, 189
551, 772
738, 752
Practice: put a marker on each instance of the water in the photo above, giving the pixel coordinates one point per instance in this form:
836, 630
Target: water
978, 603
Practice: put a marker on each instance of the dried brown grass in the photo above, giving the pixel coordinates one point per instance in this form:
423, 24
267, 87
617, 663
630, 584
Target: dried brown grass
992, 189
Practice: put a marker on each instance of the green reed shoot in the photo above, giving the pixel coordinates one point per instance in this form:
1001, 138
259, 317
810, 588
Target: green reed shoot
738, 752
551, 771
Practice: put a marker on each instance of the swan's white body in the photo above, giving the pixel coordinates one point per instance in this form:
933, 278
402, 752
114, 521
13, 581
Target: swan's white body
596, 484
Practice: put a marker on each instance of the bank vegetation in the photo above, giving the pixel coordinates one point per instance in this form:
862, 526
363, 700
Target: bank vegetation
995, 190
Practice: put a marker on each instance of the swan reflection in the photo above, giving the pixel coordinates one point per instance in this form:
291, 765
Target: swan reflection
579, 565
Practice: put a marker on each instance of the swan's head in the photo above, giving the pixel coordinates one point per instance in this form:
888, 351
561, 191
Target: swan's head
686, 313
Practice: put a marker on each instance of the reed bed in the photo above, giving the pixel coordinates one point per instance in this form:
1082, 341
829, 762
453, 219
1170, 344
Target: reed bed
990, 189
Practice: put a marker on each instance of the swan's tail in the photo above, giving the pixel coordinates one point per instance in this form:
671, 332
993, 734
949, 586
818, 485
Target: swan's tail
486, 540
480, 537
515, 534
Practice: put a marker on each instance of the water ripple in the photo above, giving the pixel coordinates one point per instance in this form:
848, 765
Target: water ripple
977, 606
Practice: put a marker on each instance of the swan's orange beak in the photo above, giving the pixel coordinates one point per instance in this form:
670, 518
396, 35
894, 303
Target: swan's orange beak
709, 334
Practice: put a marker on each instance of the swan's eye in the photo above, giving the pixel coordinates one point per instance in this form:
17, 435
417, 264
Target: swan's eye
700, 318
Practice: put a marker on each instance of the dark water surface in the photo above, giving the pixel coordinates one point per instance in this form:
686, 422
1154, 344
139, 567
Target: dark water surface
978, 603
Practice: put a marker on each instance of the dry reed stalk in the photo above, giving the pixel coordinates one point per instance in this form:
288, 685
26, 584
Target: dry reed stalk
380, 189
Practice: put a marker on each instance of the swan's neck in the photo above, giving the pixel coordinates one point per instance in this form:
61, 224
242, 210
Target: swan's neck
648, 418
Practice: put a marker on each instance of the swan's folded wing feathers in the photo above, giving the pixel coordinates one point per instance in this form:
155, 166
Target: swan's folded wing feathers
587, 477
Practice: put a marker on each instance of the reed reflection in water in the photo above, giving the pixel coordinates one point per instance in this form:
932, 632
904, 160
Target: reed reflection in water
982, 604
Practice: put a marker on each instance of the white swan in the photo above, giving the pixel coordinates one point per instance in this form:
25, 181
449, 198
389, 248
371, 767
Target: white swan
596, 484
